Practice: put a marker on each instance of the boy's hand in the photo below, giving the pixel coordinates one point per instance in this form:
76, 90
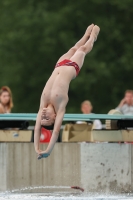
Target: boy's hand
43, 154
38, 151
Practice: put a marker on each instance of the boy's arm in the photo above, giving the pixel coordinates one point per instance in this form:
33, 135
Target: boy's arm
37, 130
55, 134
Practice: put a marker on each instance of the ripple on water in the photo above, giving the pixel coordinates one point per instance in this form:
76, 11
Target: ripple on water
62, 196
58, 193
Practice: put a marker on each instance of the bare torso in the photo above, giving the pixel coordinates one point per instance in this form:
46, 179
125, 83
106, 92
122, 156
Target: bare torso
56, 89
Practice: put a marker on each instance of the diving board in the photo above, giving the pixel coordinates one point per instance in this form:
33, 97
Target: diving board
116, 126
67, 117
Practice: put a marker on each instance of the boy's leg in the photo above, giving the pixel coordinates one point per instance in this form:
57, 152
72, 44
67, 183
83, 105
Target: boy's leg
81, 42
80, 54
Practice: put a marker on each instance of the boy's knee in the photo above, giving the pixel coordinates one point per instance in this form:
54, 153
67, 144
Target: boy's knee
82, 48
86, 48
74, 49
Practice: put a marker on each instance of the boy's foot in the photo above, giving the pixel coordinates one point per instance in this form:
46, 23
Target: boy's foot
95, 32
93, 36
89, 30
85, 37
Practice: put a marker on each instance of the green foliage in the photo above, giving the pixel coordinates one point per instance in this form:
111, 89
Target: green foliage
34, 34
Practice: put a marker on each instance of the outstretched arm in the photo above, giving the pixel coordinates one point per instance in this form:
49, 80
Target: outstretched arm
55, 134
37, 130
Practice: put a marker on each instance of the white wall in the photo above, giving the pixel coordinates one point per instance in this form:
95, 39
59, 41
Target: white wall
96, 167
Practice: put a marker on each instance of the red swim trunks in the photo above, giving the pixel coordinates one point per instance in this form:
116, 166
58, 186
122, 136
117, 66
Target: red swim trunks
69, 63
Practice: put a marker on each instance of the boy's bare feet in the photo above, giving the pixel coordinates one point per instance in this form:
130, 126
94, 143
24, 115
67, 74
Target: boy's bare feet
85, 37
95, 32
93, 36
89, 30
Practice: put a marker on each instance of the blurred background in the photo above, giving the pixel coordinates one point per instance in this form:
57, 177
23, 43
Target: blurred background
34, 34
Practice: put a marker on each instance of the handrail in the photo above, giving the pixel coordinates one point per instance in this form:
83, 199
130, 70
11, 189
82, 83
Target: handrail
67, 117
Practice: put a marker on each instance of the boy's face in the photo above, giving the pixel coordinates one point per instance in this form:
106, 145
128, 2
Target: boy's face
48, 116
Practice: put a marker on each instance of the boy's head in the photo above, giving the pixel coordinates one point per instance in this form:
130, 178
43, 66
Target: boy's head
48, 117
